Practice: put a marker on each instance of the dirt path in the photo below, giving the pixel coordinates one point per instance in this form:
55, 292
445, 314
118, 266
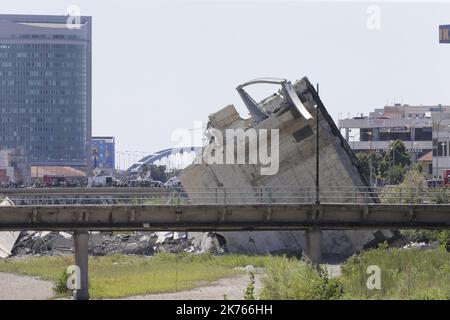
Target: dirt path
14, 287
233, 288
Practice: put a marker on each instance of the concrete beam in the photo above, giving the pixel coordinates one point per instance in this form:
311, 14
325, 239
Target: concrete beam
224, 217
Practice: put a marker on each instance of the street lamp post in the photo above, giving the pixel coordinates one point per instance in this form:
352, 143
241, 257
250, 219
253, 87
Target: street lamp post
443, 154
390, 169
352, 140
370, 159
412, 127
26, 134
317, 150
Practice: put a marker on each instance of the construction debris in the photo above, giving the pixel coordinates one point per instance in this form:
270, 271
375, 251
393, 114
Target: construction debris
43, 243
422, 245
250, 269
101, 244
208, 242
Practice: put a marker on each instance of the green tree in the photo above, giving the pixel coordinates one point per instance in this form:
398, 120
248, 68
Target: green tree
158, 173
396, 174
363, 162
398, 154
374, 159
398, 160
173, 173
145, 169
418, 167
390, 166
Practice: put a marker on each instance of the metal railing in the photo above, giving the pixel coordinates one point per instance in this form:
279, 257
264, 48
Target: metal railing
244, 195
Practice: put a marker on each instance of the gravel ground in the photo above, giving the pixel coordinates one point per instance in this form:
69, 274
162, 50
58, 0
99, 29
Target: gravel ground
233, 288
14, 287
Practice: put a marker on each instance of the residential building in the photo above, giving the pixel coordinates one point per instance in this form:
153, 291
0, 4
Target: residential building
421, 128
13, 167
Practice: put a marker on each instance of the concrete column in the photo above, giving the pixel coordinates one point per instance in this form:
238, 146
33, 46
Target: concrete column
312, 250
81, 239
347, 134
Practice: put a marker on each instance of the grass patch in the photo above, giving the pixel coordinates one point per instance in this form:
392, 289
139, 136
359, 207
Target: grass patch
292, 279
405, 274
121, 276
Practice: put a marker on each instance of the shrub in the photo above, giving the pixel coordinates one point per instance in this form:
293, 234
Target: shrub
250, 290
293, 279
405, 274
60, 287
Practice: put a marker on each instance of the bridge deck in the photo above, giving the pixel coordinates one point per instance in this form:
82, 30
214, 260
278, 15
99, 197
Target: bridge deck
209, 217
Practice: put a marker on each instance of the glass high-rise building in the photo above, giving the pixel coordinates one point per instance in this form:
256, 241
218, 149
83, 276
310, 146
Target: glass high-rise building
45, 88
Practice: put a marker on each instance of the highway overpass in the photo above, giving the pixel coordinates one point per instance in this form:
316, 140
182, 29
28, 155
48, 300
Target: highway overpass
220, 209
223, 209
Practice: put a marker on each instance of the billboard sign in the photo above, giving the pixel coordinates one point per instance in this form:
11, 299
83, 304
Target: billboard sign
444, 33
376, 123
103, 152
395, 129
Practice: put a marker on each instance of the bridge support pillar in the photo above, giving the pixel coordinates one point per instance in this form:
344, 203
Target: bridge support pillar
313, 239
81, 239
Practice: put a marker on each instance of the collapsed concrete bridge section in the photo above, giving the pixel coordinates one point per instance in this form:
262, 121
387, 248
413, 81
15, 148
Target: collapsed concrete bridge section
295, 111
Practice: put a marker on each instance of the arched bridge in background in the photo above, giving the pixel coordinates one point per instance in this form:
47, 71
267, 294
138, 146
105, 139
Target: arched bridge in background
159, 155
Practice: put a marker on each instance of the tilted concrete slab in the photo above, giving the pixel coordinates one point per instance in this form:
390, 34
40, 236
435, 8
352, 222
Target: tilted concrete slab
338, 167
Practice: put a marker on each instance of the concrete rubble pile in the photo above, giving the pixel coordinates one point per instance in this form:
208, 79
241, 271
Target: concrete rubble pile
31, 242
16, 243
422, 245
101, 244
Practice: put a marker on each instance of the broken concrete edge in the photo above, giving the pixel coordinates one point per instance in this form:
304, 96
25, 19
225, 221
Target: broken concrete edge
8, 239
337, 133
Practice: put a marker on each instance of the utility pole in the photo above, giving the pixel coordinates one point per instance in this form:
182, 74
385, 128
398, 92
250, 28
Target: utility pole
317, 151
371, 162
389, 150
313, 235
443, 154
